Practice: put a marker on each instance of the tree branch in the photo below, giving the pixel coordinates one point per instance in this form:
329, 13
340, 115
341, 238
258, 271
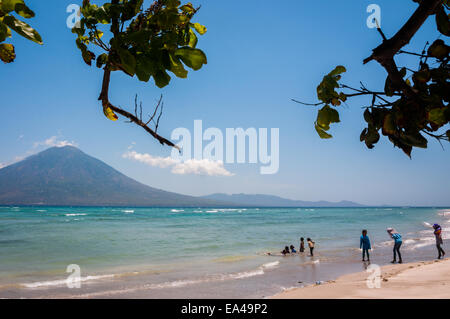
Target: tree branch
104, 97
133, 118
390, 47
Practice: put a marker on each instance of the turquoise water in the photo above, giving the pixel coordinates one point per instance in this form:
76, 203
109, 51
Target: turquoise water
119, 247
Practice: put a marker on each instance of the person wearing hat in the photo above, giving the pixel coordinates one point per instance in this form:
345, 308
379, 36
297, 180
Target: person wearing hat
397, 243
439, 241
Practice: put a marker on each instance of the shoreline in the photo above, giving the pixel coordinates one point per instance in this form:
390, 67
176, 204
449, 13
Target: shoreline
415, 280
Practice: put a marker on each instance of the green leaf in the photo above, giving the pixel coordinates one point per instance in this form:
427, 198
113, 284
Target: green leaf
88, 56
7, 53
193, 58
177, 67
9, 5
442, 21
439, 49
372, 137
23, 29
201, 29
438, 116
326, 89
161, 78
110, 114
187, 8
22, 10
128, 61
388, 125
102, 59
144, 68
322, 133
368, 116
338, 70
414, 139
193, 40
5, 32
326, 116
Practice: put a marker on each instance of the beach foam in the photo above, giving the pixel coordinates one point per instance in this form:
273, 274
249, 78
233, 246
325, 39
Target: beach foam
62, 282
186, 282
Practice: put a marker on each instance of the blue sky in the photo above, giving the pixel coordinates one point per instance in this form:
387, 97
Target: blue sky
260, 55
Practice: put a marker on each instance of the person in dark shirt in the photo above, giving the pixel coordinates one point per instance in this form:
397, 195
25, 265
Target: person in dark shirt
364, 244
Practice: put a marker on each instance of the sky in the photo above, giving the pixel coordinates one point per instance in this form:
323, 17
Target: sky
261, 54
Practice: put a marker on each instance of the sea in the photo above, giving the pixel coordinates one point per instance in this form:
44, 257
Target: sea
116, 252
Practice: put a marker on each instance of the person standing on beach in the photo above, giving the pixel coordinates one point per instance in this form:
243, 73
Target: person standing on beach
302, 245
439, 241
397, 243
311, 246
364, 244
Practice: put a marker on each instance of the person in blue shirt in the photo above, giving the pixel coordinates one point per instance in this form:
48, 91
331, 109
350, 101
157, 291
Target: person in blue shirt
397, 243
293, 251
364, 244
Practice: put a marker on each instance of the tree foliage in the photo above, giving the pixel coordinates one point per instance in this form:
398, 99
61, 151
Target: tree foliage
146, 43
414, 103
9, 22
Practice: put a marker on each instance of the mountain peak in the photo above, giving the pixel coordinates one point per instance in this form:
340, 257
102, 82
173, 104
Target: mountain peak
65, 176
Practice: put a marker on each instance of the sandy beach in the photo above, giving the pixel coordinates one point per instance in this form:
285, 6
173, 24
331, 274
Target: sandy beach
426, 279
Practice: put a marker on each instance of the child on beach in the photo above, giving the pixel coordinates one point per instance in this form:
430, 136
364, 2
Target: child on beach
439, 241
310, 245
302, 245
397, 243
364, 244
285, 251
293, 251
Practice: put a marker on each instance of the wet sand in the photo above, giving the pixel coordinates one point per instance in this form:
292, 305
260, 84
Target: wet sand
425, 279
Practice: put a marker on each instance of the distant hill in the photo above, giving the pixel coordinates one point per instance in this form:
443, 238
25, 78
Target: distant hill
65, 176
275, 201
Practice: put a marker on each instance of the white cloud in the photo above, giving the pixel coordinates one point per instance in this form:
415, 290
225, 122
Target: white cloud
193, 166
150, 160
54, 141
201, 167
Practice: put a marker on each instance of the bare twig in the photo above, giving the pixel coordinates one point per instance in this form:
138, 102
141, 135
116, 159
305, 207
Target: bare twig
104, 96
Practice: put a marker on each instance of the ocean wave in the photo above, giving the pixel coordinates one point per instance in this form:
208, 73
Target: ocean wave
76, 214
427, 224
230, 259
177, 210
271, 265
128, 211
444, 212
187, 282
62, 282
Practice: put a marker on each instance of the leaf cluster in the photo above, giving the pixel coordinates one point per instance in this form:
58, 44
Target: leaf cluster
9, 22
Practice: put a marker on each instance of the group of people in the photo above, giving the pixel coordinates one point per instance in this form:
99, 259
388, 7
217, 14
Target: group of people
291, 249
365, 246
364, 243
